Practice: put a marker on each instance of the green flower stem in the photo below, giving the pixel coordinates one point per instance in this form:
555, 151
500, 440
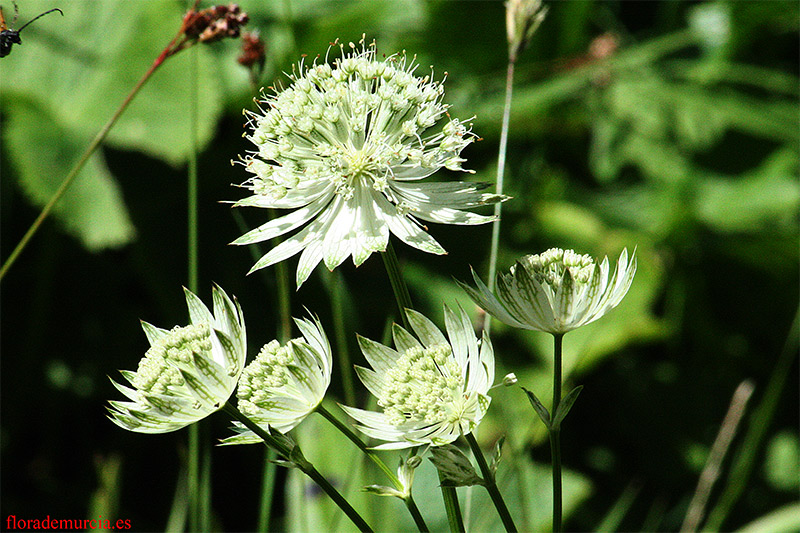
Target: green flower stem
199, 448
399, 286
501, 166
555, 432
301, 463
347, 432
173, 47
491, 485
403, 299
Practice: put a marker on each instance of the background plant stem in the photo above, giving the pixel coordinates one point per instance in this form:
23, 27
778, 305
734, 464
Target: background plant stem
296, 457
555, 432
490, 484
501, 166
403, 299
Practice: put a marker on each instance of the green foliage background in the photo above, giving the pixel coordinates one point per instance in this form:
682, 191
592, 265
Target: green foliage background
673, 142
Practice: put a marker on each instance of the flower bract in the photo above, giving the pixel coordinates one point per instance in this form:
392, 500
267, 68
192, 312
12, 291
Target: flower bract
345, 148
556, 291
188, 372
432, 388
284, 384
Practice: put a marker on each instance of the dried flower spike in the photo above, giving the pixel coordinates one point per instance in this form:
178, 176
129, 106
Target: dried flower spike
214, 23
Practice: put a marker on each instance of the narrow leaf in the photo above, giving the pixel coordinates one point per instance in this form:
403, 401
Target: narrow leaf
566, 405
540, 409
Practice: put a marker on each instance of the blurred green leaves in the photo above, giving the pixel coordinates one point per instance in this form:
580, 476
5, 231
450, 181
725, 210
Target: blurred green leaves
67, 79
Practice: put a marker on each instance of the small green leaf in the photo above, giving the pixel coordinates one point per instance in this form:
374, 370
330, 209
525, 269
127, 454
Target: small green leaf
380, 490
496, 455
566, 405
540, 409
455, 467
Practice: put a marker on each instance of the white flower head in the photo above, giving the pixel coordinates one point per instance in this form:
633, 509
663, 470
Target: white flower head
556, 291
432, 390
284, 383
188, 372
345, 147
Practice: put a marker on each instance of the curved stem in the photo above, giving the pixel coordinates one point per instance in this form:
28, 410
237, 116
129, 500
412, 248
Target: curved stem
347, 432
555, 432
491, 485
296, 456
501, 166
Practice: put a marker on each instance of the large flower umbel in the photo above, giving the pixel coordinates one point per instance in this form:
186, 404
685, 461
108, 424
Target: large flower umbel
284, 384
432, 390
189, 371
556, 291
344, 147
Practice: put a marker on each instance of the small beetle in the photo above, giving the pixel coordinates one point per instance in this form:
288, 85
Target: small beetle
9, 36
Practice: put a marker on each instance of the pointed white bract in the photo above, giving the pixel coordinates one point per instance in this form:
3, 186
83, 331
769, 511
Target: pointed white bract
189, 371
284, 384
556, 291
432, 388
345, 147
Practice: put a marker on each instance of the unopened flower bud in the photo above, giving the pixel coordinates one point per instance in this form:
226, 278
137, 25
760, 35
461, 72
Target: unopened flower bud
522, 19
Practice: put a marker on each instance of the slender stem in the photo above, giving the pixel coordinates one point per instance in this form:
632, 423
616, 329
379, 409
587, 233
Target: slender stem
409, 501
451, 506
267, 490
555, 433
501, 166
347, 432
296, 456
403, 299
399, 286
199, 447
193, 483
711, 470
491, 485
416, 515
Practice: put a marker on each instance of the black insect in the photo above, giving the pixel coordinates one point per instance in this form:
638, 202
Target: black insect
9, 36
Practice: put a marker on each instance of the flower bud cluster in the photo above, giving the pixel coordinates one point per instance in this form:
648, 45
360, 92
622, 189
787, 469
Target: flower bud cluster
549, 267
421, 386
157, 370
267, 372
356, 119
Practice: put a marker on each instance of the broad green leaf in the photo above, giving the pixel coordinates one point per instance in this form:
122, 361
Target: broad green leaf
82, 66
92, 209
68, 78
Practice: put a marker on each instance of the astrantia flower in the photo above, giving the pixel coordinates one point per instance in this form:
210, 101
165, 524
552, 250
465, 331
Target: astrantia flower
189, 371
556, 291
432, 390
344, 147
284, 384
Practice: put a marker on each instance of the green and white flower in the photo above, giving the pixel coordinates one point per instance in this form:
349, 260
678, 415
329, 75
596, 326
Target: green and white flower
284, 384
556, 291
345, 147
188, 372
432, 390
